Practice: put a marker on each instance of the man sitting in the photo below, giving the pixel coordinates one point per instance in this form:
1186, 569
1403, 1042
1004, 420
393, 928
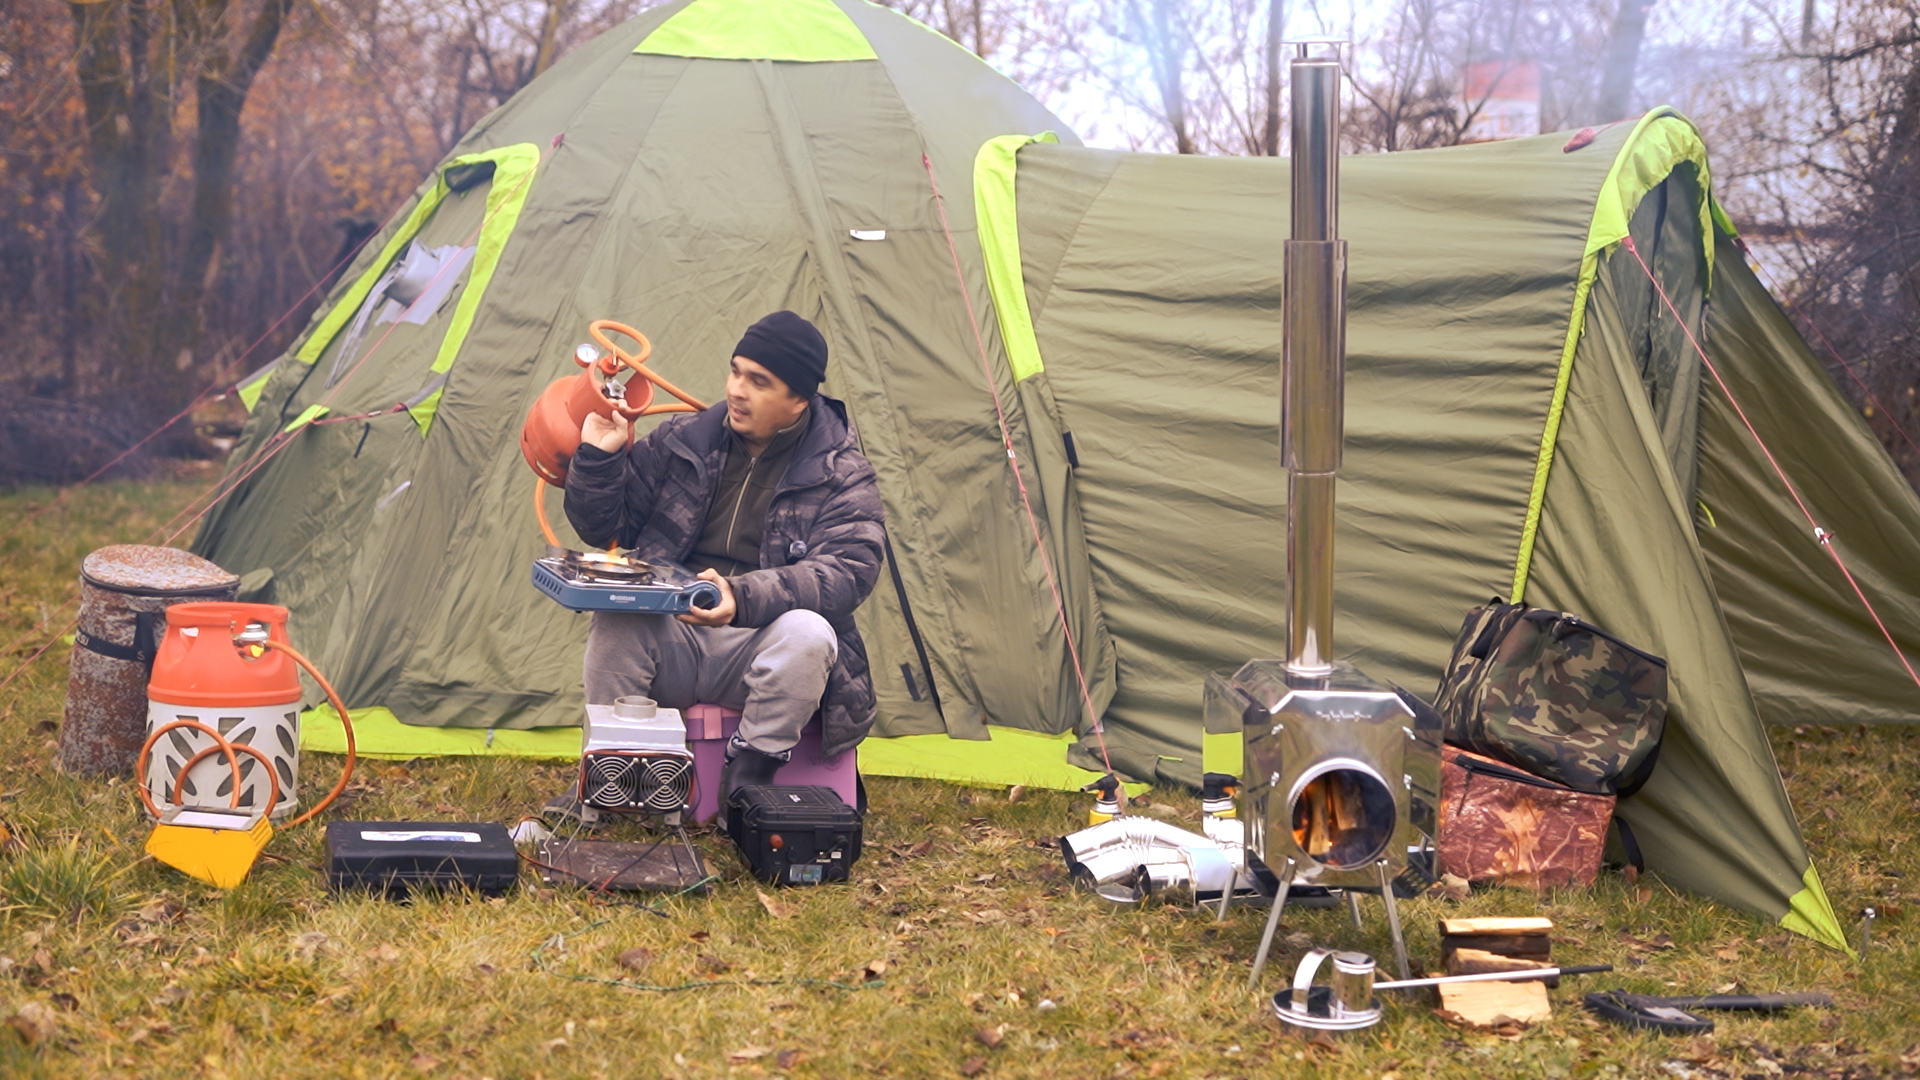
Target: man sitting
767, 496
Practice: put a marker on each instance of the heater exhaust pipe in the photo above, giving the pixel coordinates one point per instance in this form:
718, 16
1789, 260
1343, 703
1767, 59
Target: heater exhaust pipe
1313, 362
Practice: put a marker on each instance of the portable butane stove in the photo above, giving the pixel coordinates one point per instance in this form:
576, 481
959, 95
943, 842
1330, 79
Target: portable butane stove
602, 581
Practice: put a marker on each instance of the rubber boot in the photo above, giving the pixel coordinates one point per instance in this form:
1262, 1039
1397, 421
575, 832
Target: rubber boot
748, 768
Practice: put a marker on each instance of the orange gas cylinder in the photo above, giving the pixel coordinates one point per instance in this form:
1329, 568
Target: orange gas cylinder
212, 668
552, 431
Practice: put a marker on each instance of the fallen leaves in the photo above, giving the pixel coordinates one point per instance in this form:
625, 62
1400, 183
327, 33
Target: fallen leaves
748, 1053
1450, 887
384, 953
875, 969
34, 1023
991, 1037
307, 944
973, 1066
1653, 944
636, 959
776, 908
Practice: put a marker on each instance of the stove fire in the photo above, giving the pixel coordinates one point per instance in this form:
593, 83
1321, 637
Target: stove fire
1344, 818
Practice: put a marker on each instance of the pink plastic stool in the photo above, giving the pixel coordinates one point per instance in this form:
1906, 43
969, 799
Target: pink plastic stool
710, 726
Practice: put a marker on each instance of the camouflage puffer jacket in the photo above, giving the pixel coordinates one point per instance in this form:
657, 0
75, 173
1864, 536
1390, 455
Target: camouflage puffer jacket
820, 552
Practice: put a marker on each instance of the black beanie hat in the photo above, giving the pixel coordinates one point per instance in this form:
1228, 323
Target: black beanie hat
790, 347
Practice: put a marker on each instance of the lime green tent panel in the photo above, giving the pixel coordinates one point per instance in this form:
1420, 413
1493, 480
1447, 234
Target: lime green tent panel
808, 31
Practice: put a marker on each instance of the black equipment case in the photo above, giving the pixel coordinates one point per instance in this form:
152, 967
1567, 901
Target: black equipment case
795, 835
393, 858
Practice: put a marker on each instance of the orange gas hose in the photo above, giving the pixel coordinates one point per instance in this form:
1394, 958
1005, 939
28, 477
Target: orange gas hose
693, 404
223, 746
228, 747
638, 362
146, 751
346, 724
540, 486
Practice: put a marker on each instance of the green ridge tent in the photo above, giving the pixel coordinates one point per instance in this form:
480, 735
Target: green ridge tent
1523, 419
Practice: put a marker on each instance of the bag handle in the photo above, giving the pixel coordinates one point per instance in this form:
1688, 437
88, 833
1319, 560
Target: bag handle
1498, 623
1629, 845
145, 641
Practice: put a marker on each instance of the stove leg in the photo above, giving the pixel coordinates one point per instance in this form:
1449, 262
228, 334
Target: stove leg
1226, 898
1273, 923
1353, 906
1393, 919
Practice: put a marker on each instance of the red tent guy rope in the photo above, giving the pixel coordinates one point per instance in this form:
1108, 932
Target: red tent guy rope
1820, 535
1013, 459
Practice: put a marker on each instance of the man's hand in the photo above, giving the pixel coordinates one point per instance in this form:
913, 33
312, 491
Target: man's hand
719, 614
609, 433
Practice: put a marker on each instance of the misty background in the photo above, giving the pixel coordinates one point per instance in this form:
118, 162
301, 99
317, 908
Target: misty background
181, 179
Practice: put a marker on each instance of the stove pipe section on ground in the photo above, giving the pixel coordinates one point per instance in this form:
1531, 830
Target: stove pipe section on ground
1339, 778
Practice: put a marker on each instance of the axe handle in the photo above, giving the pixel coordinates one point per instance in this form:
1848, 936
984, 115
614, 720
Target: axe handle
1762, 1002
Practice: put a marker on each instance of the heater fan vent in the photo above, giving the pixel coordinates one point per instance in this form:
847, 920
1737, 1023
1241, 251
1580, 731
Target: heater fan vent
637, 781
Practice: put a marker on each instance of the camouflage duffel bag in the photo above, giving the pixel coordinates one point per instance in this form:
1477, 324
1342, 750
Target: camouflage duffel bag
1555, 695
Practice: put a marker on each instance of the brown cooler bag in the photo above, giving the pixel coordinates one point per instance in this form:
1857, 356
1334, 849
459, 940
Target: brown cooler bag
1500, 825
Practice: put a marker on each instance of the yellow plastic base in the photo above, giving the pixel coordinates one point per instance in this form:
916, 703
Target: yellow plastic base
222, 857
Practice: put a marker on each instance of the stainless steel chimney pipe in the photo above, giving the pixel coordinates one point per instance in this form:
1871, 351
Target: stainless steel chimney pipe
1318, 733
1313, 362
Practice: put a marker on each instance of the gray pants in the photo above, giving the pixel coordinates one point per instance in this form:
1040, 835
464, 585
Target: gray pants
774, 675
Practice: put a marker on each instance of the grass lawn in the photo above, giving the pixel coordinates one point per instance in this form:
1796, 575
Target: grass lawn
959, 947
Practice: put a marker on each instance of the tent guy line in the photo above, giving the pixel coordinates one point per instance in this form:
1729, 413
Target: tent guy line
230, 481
1821, 536
1013, 460
219, 388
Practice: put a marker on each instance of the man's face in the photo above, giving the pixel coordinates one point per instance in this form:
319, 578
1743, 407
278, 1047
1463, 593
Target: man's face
758, 402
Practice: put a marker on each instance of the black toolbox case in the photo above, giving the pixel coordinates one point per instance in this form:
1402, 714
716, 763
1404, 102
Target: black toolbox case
394, 858
795, 835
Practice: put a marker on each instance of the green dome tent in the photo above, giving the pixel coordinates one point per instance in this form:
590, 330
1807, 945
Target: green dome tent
1523, 419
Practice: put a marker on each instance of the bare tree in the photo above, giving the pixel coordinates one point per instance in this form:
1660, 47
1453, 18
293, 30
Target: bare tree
1029, 41
1201, 75
1623, 56
135, 59
1816, 137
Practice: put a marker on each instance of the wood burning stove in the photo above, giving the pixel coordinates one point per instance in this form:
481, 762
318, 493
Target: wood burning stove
1340, 779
